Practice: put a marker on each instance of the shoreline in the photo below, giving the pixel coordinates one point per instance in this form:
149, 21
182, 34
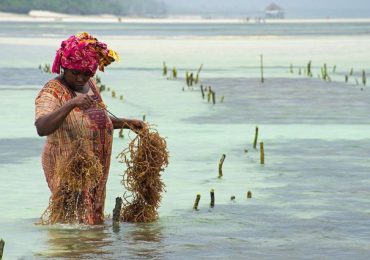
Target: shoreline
45, 16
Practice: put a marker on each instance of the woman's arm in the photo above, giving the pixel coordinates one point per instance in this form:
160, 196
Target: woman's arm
48, 123
132, 124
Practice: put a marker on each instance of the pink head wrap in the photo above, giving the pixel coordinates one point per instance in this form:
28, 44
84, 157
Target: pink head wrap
83, 52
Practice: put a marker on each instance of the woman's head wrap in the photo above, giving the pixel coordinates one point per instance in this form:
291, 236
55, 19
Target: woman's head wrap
83, 52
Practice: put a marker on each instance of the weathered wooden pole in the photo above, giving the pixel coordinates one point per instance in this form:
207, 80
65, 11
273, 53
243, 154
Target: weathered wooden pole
255, 138
196, 203
113, 94
309, 68
164, 69
201, 89
262, 153
220, 165
212, 193
120, 133
262, 79
117, 211
209, 94
346, 78
213, 97
197, 76
191, 79
249, 194
222, 99
364, 77
2, 244
291, 68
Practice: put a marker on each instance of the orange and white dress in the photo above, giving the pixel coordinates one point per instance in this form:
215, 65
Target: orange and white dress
93, 125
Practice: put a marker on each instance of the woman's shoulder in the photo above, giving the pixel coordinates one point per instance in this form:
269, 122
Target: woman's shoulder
54, 87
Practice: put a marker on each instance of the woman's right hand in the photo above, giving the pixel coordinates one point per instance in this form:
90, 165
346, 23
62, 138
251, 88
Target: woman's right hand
83, 101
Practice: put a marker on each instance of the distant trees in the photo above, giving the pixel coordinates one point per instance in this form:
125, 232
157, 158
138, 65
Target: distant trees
117, 7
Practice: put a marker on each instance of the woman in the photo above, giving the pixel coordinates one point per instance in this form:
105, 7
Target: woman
68, 107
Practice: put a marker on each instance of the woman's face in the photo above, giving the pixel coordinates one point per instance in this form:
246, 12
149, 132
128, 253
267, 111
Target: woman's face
77, 79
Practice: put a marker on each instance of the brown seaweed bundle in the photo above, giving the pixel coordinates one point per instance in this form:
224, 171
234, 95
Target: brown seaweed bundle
78, 174
145, 157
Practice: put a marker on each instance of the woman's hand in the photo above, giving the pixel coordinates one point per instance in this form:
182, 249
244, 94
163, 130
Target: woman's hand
83, 101
137, 124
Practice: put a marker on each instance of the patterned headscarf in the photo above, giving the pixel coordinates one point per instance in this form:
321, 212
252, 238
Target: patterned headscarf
83, 52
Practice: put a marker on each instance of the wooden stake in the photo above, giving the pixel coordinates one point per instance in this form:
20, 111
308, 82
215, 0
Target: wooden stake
346, 78
220, 165
232, 197
2, 244
113, 94
201, 89
120, 133
196, 203
209, 94
364, 77
309, 69
212, 193
222, 99
249, 194
164, 69
262, 153
213, 97
117, 210
198, 72
255, 138
191, 79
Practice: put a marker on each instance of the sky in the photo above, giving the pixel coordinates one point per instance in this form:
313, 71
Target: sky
317, 8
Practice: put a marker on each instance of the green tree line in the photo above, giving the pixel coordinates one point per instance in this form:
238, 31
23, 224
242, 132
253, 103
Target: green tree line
85, 7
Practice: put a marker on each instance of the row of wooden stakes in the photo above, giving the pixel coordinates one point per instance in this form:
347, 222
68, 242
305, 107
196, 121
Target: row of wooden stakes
220, 172
192, 81
212, 195
324, 74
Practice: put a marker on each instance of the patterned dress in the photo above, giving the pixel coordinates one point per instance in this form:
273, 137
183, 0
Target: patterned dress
92, 124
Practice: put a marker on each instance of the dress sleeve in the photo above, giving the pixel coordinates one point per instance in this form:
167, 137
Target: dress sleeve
48, 100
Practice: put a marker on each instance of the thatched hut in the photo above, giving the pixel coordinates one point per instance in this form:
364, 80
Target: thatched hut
273, 11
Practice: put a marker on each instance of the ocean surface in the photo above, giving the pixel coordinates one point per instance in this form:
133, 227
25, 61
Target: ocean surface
311, 198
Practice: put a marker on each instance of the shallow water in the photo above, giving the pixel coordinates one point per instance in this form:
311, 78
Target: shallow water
310, 199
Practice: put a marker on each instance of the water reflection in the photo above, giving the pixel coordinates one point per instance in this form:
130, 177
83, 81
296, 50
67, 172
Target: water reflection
142, 241
77, 242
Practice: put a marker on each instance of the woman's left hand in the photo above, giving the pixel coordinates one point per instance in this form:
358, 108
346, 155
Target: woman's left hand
137, 124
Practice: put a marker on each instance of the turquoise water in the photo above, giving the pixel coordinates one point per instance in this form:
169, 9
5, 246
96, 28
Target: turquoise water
46, 29
310, 199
